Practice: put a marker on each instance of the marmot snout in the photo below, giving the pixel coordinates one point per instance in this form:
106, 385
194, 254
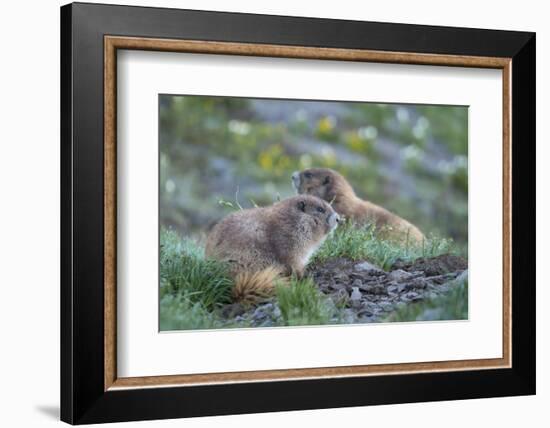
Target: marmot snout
283, 236
332, 187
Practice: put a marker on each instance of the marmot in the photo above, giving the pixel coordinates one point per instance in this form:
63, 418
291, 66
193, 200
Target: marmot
260, 244
332, 187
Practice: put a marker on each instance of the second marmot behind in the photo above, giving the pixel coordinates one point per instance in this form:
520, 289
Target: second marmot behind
332, 187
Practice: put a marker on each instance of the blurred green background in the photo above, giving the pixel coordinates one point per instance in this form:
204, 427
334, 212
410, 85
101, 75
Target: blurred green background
411, 159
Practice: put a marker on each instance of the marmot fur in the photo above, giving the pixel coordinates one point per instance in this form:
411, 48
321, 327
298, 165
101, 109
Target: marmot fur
332, 187
261, 244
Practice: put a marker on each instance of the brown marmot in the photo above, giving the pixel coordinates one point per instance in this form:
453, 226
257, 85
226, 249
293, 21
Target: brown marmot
261, 244
332, 187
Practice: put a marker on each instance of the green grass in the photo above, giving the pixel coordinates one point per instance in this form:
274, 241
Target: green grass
185, 271
193, 289
451, 306
361, 243
178, 313
301, 303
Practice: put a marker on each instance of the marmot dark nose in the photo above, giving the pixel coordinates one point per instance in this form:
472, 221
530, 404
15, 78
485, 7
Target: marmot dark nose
296, 175
333, 220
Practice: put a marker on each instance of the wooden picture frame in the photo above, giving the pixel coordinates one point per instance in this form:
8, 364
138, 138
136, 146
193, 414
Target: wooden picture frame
91, 390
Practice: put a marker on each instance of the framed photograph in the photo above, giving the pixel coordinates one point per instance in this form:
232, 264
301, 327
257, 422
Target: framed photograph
266, 213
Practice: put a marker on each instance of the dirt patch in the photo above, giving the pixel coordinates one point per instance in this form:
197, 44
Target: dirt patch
360, 292
434, 266
369, 293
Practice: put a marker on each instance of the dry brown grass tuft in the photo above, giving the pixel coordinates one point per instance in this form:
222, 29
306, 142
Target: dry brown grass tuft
254, 287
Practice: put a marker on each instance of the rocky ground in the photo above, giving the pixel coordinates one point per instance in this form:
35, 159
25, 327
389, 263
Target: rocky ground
363, 293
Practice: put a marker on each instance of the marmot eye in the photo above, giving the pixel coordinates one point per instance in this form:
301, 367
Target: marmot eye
321, 210
308, 175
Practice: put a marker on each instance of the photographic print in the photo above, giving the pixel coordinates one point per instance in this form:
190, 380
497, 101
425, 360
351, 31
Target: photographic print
295, 212
352, 201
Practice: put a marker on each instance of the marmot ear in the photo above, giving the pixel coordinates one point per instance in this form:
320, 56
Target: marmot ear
302, 206
327, 179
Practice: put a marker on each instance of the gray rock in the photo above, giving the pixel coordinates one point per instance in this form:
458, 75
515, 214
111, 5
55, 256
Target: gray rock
418, 283
398, 275
340, 297
349, 316
336, 286
355, 294
413, 296
357, 283
374, 289
263, 312
364, 314
386, 306
370, 307
367, 267
366, 319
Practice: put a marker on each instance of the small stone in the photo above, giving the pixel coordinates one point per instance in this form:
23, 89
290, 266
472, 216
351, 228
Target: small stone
386, 306
349, 316
367, 267
370, 307
364, 313
374, 289
413, 296
355, 294
262, 312
355, 304
398, 275
366, 319
418, 283
340, 297
392, 288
